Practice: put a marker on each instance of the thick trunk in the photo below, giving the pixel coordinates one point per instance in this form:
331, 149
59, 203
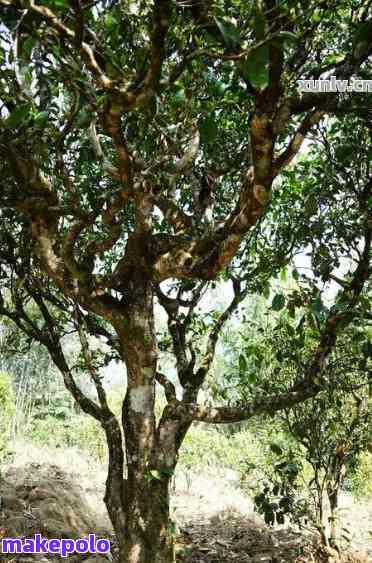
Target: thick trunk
148, 537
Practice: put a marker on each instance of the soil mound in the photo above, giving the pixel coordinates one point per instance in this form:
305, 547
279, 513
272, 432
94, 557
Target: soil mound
43, 499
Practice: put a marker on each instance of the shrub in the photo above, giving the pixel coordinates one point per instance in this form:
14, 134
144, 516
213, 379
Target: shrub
361, 481
7, 410
239, 451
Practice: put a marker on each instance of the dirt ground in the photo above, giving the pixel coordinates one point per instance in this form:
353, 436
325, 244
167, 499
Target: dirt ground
218, 524
59, 494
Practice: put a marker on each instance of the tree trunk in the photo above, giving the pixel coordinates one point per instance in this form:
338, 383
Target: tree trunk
319, 506
336, 477
148, 535
333, 518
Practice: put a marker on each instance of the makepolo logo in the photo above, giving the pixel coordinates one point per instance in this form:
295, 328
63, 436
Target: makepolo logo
63, 547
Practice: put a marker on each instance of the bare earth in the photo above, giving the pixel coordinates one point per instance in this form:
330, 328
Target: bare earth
59, 493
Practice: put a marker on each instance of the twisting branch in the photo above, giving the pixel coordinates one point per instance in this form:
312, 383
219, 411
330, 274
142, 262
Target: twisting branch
296, 142
161, 21
183, 164
88, 360
239, 295
173, 214
68, 34
50, 339
178, 330
267, 405
310, 383
49, 336
23, 87
109, 168
79, 23
68, 247
169, 388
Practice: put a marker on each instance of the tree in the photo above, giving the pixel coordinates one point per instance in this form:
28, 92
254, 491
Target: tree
143, 148
333, 431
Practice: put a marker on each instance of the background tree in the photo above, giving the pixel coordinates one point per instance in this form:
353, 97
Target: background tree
6, 412
142, 148
334, 431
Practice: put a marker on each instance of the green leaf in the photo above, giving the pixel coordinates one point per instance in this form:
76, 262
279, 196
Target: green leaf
283, 275
155, 474
276, 449
110, 21
83, 119
343, 152
333, 428
278, 302
317, 305
288, 36
17, 116
311, 206
28, 45
59, 3
367, 349
242, 363
208, 130
252, 377
259, 25
255, 67
266, 291
167, 471
41, 118
228, 30
217, 87
179, 97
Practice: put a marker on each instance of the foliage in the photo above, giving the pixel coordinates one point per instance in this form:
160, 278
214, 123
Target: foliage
56, 424
38, 388
239, 451
361, 477
281, 496
7, 409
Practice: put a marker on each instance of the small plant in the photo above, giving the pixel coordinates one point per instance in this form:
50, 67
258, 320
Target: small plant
280, 498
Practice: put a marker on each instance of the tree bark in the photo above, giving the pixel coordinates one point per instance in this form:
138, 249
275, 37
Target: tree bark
334, 485
333, 518
146, 537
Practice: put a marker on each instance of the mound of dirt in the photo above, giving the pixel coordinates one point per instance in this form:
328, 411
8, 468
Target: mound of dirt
43, 499
218, 524
232, 536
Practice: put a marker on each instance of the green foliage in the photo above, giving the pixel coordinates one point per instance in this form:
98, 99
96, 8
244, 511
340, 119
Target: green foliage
55, 424
208, 447
7, 410
278, 302
280, 497
361, 477
256, 67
